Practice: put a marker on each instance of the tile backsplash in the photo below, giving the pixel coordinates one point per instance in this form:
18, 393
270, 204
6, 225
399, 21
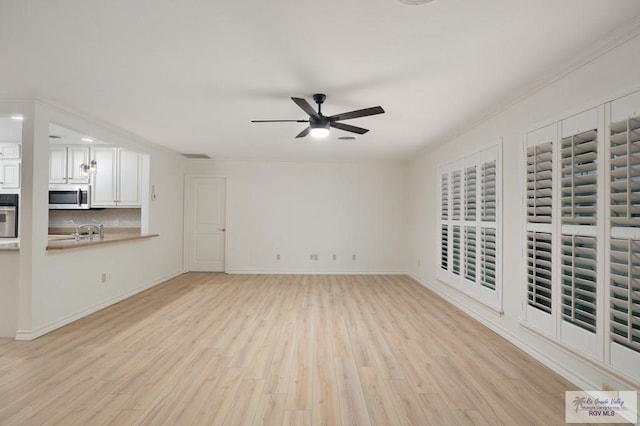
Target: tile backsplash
110, 218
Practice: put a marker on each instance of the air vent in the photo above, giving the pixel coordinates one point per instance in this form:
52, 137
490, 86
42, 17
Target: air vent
347, 138
415, 2
197, 156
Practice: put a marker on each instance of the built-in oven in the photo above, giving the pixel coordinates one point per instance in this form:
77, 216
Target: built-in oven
69, 197
8, 215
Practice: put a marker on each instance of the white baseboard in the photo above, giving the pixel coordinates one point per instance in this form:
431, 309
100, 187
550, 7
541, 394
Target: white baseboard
288, 272
32, 334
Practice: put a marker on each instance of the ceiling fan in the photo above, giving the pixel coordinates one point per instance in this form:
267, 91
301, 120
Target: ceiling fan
319, 124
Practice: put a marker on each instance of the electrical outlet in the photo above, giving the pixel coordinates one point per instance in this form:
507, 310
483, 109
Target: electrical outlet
278, 256
418, 262
116, 222
315, 257
353, 257
311, 256
103, 277
334, 256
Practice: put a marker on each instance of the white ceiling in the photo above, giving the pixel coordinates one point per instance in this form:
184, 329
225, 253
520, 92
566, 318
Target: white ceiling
190, 75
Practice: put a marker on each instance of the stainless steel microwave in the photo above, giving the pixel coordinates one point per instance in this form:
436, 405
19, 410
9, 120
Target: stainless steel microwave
69, 197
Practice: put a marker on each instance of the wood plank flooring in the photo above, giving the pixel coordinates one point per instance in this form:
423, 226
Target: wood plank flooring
277, 350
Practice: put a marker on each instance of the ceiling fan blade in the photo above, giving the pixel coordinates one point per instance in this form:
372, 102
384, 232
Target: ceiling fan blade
279, 121
358, 113
304, 133
306, 107
350, 128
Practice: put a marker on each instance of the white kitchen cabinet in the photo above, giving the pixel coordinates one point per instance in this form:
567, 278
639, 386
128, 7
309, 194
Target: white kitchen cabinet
9, 151
117, 182
9, 174
65, 164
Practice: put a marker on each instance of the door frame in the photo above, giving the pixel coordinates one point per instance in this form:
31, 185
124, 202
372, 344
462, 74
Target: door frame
185, 212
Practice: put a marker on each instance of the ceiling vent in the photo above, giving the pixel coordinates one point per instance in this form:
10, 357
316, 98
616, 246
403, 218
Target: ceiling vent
415, 2
197, 156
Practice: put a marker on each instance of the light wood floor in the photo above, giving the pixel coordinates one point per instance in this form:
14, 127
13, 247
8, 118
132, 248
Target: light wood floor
251, 349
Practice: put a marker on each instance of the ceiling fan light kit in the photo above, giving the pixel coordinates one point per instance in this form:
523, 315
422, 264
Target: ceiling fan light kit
319, 124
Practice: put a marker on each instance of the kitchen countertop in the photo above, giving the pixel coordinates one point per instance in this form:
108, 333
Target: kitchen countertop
111, 236
9, 245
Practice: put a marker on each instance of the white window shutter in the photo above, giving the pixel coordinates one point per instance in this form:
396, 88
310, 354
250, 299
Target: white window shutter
470, 193
579, 178
579, 280
539, 262
488, 258
539, 183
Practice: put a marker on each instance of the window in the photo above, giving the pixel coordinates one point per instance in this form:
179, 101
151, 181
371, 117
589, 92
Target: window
582, 229
469, 237
623, 269
539, 229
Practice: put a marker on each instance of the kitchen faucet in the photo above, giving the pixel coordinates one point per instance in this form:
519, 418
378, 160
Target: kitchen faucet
86, 231
89, 228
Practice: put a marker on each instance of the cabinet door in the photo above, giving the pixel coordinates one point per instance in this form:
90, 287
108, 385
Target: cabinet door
103, 192
57, 164
10, 174
9, 151
130, 178
77, 156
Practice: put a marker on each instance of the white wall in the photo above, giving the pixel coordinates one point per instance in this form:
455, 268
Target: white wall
610, 75
58, 287
299, 209
9, 261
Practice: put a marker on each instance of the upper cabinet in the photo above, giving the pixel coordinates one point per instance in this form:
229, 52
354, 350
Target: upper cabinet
9, 151
10, 174
10, 137
117, 181
65, 164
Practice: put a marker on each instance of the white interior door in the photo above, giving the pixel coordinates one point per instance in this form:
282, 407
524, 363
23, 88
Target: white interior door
205, 223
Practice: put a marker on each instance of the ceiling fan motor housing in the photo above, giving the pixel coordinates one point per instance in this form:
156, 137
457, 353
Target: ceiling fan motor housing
319, 122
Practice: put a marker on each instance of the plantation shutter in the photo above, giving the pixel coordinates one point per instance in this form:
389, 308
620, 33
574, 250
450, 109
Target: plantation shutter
470, 253
625, 293
470, 193
488, 254
444, 196
539, 183
444, 247
625, 172
579, 178
539, 261
456, 182
489, 191
457, 244
469, 236
624, 244
579, 280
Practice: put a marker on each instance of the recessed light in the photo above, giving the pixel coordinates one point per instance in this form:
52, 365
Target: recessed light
87, 140
17, 117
